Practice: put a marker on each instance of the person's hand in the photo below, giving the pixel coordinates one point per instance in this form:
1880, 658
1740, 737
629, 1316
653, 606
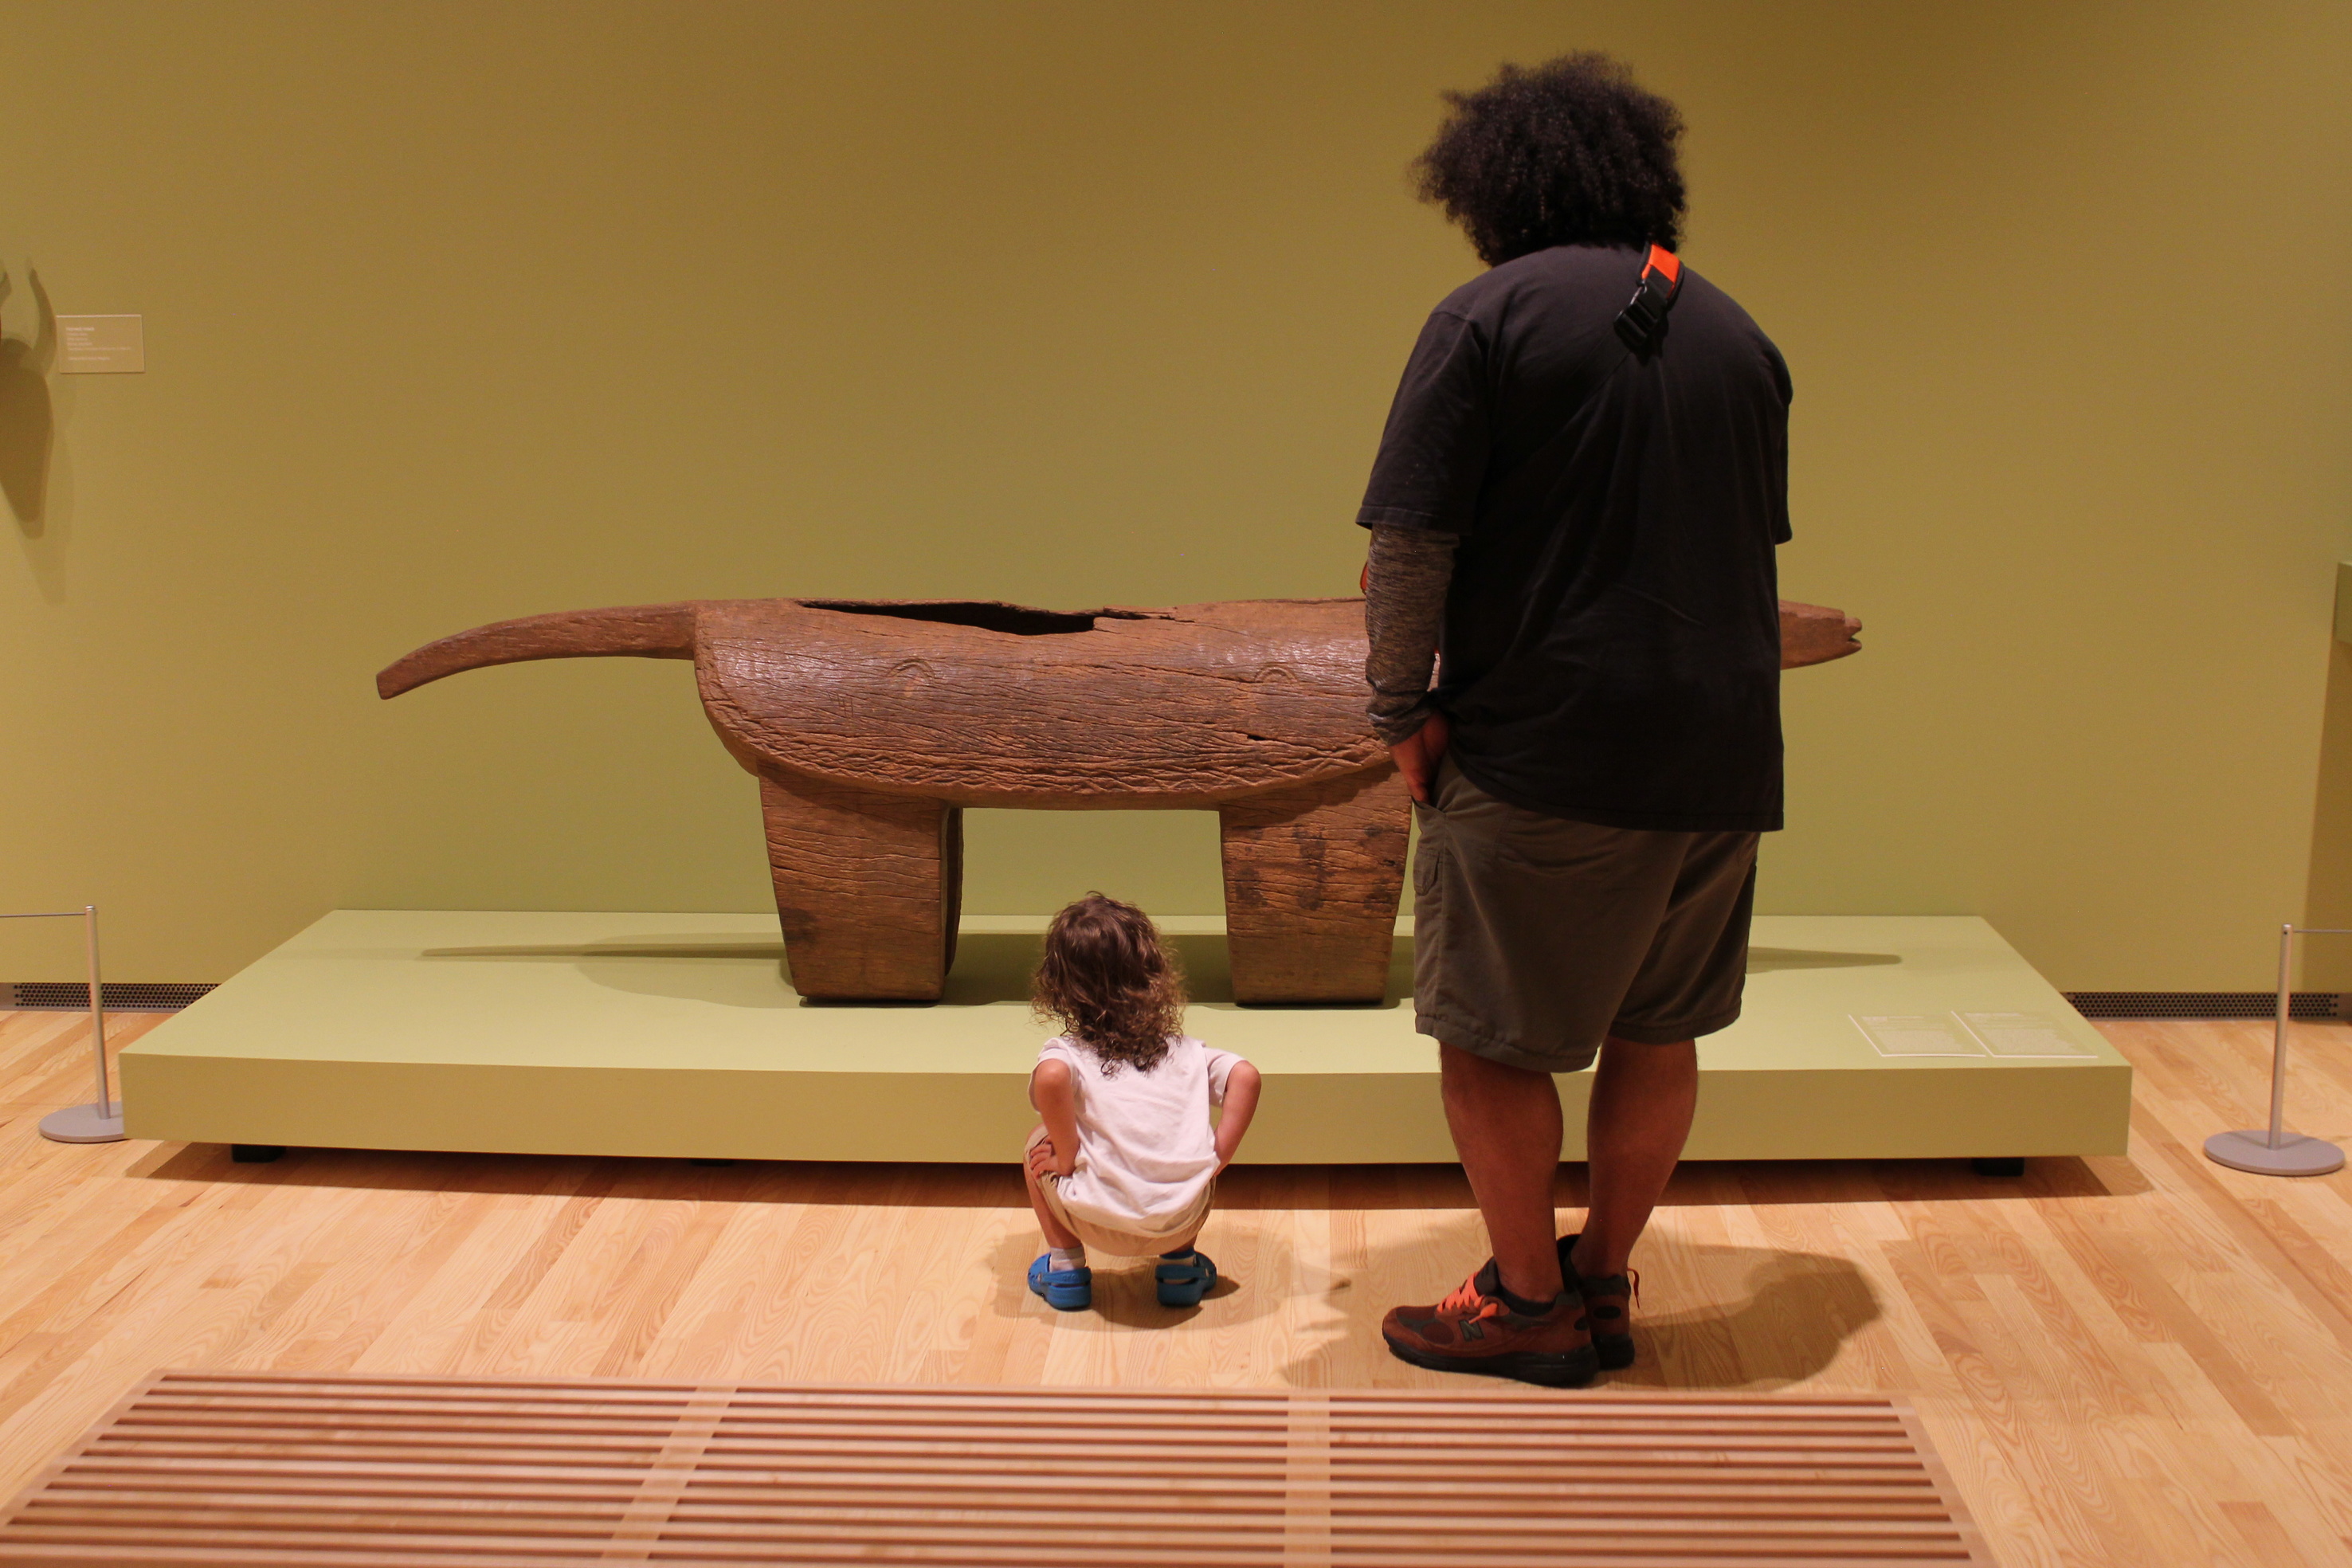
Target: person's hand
1041, 1159
1418, 754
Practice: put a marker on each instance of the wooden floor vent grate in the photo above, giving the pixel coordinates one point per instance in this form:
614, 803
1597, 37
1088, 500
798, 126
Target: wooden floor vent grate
368, 1472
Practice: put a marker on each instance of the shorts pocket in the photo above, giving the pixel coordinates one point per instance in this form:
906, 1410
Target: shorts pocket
1556, 846
1429, 851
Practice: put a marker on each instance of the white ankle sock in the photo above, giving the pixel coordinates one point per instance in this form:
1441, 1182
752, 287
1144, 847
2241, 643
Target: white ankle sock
1058, 1258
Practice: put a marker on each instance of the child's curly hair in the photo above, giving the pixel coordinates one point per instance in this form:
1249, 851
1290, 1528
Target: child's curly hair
1110, 982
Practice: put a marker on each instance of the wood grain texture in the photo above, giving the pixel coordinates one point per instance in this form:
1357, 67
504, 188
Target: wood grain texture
1312, 879
868, 887
995, 705
1249, 708
641, 631
230, 1468
1189, 707
2121, 1360
871, 725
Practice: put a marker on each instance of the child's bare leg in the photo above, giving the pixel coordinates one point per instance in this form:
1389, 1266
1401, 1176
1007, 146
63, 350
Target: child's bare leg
1056, 1234
1187, 1244
1183, 1273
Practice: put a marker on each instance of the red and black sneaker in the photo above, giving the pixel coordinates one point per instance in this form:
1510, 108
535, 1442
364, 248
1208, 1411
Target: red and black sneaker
1607, 1301
1475, 1330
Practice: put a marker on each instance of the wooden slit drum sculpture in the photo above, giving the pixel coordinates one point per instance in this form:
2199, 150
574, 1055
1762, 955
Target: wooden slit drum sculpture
871, 724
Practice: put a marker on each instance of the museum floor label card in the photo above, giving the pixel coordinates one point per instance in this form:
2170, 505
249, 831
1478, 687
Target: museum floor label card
1915, 1035
2023, 1035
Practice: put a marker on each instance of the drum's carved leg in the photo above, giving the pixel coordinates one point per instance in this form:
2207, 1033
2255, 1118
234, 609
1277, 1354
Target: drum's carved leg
867, 888
1312, 877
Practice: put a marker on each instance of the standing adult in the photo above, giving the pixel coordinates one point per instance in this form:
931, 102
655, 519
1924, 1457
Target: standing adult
1581, 511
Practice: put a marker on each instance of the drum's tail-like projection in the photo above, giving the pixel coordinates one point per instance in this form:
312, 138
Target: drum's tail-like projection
639, 631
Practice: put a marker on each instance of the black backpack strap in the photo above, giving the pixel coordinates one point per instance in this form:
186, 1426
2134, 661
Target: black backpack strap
1643, 323
1640, 325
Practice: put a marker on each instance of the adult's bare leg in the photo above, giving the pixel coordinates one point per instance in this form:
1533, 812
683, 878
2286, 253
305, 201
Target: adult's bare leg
1643, 1098
1506, 1129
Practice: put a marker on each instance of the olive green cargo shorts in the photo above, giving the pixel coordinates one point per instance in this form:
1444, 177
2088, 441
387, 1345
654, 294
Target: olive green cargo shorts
1535, 937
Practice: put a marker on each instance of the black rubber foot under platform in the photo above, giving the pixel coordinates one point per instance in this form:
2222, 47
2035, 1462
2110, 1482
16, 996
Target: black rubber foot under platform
255, 1153
2008, 1165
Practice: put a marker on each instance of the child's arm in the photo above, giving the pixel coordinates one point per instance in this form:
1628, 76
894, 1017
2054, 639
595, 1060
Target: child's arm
1054, 1093
1241, 1104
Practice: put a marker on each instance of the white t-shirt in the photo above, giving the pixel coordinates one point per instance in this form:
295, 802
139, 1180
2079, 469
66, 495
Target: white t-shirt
1146, 1148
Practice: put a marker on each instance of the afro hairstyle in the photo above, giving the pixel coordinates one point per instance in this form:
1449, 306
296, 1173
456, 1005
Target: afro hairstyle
1567, 152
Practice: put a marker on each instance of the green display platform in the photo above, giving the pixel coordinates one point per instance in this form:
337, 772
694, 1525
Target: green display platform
676, 1035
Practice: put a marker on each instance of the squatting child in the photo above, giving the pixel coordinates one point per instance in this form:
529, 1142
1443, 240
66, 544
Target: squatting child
1127, 1158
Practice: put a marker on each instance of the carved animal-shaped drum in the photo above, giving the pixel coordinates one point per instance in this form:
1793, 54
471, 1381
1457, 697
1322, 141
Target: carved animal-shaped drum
871, 724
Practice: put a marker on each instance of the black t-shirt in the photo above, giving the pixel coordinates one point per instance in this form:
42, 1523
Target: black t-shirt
1612, 649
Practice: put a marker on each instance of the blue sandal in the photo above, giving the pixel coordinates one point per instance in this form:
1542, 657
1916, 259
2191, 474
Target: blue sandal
1183, 1277
1064, 1290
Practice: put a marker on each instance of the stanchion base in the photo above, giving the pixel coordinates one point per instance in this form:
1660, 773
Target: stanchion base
83, 1124
2294, 1156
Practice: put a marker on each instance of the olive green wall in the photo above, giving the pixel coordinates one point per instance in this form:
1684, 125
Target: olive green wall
467, 311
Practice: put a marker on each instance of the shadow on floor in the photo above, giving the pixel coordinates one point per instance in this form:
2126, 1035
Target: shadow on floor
990, 967
1771, 1183
1313, 1188
1765, 960
1782, 1322
1124, 1292
844, 1183
1762, 1182
1799, 1309
945, 1185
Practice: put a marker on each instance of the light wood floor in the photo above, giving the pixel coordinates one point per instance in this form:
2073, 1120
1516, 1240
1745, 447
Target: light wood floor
2143, 1359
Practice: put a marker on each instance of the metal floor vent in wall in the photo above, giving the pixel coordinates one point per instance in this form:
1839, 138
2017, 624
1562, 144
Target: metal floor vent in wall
2306, 1007
122, 996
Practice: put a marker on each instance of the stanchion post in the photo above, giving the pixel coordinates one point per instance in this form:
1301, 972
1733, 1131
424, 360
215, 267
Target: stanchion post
101, 1120
2276, 1153
97, 1014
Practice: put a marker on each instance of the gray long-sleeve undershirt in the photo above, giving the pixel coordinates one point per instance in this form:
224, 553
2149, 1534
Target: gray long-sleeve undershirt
1404, 611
